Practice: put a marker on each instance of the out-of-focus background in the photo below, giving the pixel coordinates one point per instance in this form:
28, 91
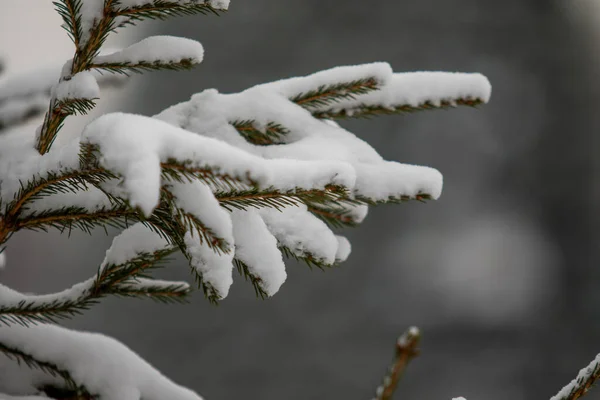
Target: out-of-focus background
501, 273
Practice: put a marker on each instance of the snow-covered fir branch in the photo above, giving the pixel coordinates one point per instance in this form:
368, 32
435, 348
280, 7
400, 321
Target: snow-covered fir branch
239, 181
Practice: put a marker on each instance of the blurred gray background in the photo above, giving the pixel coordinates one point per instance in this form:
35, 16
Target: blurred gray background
501, 273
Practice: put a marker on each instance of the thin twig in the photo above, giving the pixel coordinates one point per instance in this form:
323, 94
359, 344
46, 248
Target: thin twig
584, 381
406, 350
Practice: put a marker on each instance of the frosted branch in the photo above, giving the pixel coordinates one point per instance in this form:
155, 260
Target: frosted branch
96, 363
585, 380
132, 255
415, 91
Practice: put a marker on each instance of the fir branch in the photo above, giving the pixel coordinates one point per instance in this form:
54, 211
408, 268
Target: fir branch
31, 312
174, 231
55, 117
421, 197
49, 368
335, 217
70, 11
273, 133
328, 94
116, 274
64, 181
21, 106
184, 222
273, 198
98, 34
126, 67
306, 258
167, 294
84, 53
210, 293
584, 381
110, 280
161, 9
256, 281
368, 111
67, 218
186, 171
406, 350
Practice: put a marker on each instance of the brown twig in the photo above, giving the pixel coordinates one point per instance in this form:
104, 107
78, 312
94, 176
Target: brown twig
584, 381
406, 350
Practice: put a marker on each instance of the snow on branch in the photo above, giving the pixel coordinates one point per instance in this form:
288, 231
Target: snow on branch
185, 173
89, 23
213, 114
333, 85
413, 91
302, 234
27, 95
152, 53
123, 272
87, 363
136, 10
256, 253
136, 148
231, 180
585, 380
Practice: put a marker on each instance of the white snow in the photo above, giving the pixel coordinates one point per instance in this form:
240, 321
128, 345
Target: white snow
583, 375
343, 249
391, 179
11, 298
417, 88
199, 135
134, 146
18, 109
41, 80
144, 284
214, 268
156, 49
132, 242
103, 365
197, 199
29, 93
209, 114
290, 87
256, 247
216, 4
129, 244
91, 13
29, 83
82, 85
20, 162
92, 200
303, 233
219, 4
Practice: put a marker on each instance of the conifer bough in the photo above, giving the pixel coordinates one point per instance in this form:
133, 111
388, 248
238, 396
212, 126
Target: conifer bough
238, 180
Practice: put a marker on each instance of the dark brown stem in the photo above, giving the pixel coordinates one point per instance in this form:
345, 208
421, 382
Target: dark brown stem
406, 350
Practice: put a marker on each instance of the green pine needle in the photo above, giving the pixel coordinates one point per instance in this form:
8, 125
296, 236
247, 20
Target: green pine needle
369, 111
256, 281
125, 68
49, 368
273, 133
329, 94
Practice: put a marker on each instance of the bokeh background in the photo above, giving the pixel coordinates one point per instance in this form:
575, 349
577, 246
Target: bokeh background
501, 273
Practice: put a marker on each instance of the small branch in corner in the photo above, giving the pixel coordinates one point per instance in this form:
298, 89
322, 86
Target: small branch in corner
406, 350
